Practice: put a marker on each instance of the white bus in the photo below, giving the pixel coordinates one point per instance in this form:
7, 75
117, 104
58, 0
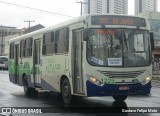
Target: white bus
93, 55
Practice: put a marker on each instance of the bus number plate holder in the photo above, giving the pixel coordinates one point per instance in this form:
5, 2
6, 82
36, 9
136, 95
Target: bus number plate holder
123, 88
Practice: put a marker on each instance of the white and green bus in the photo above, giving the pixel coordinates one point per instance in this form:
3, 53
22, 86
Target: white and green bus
92, 55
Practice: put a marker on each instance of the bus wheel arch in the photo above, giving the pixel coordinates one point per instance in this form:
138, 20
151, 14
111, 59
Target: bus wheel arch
65, 89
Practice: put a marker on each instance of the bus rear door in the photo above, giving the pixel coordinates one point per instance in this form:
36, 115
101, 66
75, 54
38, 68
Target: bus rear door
36, 62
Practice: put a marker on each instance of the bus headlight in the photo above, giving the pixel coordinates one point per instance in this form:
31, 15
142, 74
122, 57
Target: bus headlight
95, 81
146, 80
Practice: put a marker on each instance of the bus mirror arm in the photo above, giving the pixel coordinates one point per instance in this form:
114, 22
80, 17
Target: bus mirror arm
85, 34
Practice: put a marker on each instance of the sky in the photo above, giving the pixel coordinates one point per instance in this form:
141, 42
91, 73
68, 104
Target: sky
14, 16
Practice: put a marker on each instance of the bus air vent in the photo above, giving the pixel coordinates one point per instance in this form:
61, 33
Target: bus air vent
130, 74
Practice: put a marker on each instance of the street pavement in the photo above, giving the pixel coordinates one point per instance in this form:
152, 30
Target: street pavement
156, 77
13, 96
156, 82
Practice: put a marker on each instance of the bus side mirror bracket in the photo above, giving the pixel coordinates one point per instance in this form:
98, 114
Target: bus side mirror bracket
85, 34
152, 41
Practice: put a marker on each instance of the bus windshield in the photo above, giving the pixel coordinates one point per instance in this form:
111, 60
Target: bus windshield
118, 47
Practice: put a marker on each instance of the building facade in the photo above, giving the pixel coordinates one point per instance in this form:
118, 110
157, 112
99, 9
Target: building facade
153, 22
105, 6
4, 32
145, 5
7, 33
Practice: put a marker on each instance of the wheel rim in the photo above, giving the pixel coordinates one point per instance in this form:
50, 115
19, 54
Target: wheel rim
66, 91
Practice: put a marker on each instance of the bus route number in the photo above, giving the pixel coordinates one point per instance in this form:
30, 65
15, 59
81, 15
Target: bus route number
107, 81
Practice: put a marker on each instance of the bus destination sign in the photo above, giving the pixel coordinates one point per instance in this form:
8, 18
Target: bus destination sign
118, 20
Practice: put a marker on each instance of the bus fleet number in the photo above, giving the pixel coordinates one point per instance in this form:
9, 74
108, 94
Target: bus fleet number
107, 81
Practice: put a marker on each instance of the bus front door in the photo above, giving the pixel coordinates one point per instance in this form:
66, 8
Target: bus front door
77, 61
36, 62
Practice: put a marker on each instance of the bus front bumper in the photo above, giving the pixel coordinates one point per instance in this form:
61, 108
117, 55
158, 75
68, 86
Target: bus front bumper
114, 89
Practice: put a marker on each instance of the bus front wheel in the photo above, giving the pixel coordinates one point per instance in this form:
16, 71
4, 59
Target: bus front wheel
66, 91
120, 97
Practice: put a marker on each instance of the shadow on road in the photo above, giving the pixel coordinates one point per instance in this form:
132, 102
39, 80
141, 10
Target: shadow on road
83, 106
79, 104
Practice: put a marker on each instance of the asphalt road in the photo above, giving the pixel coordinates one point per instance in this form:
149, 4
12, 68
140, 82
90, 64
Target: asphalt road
12, 96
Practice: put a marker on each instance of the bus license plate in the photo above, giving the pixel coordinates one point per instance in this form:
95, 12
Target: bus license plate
123, 88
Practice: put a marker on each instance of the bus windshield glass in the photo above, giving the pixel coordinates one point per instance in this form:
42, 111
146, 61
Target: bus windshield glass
118, 47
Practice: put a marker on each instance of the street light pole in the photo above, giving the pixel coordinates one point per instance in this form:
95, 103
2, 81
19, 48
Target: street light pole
81, 4
2, 43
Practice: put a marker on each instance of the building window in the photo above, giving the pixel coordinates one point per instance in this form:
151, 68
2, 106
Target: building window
140, 5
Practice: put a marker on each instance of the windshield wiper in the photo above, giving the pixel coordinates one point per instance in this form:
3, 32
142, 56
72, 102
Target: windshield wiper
132, 33
125, 40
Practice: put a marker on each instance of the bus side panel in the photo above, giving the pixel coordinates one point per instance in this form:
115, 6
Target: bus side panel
12, 71
13, 77
23, 69
26, 69
52, 70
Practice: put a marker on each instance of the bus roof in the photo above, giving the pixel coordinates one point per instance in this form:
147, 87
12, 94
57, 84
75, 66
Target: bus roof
72, 21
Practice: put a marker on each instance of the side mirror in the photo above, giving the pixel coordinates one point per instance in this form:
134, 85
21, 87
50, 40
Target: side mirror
152, 41
85, 34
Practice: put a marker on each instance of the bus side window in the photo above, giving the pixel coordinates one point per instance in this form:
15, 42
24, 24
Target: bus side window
56, 41
12, 50
22, 48
66, 41
29, 42
48, 46
62, 40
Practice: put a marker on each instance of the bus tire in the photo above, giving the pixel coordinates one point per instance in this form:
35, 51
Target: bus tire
66, 91
120, 97
27, 90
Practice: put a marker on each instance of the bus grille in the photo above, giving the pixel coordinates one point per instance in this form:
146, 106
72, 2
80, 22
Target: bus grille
131, 74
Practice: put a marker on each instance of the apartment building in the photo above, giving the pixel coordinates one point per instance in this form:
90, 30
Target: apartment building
105, 6
145, 5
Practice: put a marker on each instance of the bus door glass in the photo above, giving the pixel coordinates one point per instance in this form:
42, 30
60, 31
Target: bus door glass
16, 63
36, 62
77, 58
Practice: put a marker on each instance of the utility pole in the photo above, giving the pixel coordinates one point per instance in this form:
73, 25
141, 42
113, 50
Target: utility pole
29, 24
2, 44
81, 4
